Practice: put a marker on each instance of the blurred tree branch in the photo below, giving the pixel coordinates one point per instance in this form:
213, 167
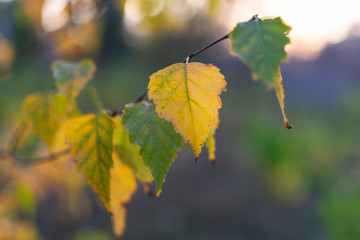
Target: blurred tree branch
11, 151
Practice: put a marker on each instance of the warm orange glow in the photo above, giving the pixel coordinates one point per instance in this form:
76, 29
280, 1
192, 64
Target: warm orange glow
7, 54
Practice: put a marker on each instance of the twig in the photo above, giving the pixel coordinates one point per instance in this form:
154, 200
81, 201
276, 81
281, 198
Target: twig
188, 58
113, 113
34, 161
22, 161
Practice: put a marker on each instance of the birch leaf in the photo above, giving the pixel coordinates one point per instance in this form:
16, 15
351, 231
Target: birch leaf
71, 77
187, 95
122, 187
260, 44
90, 140
156, 137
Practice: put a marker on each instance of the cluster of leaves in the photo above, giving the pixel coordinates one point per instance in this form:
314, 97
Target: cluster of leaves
139, 143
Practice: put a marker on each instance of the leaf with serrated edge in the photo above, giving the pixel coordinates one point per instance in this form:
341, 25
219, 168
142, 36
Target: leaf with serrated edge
156, 137
122, 187
129, 153
187, 95
45, 112
260, 44
90, 140
71, 77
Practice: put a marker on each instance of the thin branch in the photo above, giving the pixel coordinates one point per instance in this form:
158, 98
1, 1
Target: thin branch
23, 161
114, 113
226, 36
188, 58
33, 161
141, 97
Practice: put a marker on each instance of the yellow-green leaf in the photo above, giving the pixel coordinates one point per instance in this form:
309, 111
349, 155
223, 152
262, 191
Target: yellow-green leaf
122, 187
129, 153
260, 44
71, 77
90, 140
45, 113
187, 95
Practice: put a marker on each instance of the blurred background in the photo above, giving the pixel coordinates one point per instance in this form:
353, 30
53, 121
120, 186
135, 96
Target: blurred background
268, 183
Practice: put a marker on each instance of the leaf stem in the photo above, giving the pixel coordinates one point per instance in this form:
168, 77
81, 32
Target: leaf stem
33, 161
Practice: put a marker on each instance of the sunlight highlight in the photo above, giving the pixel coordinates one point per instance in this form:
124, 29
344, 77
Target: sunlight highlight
53, 15
314, 23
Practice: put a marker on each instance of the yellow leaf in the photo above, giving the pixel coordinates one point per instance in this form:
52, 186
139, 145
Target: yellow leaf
278, 86
187, 95
122, 187
59, 142
90, 140
210, 145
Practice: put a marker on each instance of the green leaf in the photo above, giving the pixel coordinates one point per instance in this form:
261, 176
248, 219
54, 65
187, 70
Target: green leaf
45, 113
260, 44
129, 153
156, 137
90, 140
71, 77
